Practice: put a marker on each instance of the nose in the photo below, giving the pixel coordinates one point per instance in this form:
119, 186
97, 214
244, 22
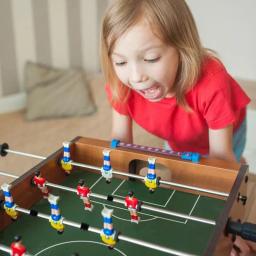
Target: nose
137, 74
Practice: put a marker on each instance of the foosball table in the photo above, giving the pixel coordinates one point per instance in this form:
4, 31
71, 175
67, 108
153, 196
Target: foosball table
88, 198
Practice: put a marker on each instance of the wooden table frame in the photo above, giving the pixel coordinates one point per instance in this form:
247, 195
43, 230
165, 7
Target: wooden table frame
210, 174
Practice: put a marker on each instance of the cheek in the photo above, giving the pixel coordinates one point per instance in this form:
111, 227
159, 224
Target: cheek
167, 72
160, 73
122, 75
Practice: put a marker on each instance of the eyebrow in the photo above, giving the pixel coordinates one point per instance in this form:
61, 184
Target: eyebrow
143, 50
117, 54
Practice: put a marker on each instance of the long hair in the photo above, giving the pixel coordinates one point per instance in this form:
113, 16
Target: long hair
170, 20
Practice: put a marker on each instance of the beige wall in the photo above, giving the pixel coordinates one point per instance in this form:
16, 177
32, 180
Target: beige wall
65, 33
228, 26
61, 33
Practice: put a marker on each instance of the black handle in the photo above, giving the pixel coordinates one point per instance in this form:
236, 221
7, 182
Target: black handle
246, 230
3, 148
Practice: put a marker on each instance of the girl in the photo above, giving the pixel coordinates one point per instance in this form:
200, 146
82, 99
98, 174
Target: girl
159, 75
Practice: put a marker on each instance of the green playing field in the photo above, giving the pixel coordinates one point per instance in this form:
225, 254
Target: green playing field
180, 234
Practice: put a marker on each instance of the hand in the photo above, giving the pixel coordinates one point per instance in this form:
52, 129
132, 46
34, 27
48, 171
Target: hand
242, 248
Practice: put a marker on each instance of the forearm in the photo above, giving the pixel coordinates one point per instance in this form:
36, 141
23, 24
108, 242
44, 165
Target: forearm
127, 138
225, 155
121, 127
221, 144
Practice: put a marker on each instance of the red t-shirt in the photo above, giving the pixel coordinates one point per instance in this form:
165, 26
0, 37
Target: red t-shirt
216, 100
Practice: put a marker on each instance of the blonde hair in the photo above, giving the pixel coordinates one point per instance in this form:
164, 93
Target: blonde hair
172, 21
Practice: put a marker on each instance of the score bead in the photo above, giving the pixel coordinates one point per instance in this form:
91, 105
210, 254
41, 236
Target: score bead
114, 143
191, 156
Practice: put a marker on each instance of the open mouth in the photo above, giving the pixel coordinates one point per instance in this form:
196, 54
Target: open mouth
152, 92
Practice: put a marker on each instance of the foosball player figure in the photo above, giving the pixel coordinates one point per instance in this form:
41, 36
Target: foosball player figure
17, 248
66, 160
84, 192
39, 181
56, 219
151, 181
9, 205
106, 169
108, 233
133, 205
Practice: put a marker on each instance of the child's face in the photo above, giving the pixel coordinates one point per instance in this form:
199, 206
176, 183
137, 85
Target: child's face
144, 63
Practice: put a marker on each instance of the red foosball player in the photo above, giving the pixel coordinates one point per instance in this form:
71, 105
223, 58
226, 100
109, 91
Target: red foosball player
84, 193
39, 181
133, 205
18, 249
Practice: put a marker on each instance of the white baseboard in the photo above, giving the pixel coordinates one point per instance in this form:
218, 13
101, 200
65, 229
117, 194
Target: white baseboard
12, 103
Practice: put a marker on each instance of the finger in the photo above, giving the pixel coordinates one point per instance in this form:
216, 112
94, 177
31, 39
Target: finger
236, 249
233, 253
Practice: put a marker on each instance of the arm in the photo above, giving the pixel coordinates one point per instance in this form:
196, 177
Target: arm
121, 127
220, 143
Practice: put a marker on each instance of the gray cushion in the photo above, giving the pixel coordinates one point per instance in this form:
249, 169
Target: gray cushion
55, 92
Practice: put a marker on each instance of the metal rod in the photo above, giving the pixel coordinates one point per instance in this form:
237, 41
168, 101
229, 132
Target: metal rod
143, 206
24, 154
184, 216
5, 249
9, 175
8, 250
120, 237
153, 246
161, 181
128, 175
116, 200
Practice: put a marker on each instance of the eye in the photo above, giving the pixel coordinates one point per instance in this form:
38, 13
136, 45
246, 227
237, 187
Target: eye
152, 60
120, 63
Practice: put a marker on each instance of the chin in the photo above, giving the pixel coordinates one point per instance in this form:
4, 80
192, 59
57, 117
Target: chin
159, 98
154, 100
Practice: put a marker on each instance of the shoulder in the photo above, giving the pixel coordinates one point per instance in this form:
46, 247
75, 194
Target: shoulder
216, 85
212, 66
120, 104
213, 75
215, 79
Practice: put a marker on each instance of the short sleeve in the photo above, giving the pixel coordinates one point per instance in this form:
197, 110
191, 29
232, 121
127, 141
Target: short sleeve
223, 101
120, 107
219, 112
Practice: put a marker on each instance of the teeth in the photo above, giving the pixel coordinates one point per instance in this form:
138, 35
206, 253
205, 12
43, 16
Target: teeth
151, 89
151, 92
